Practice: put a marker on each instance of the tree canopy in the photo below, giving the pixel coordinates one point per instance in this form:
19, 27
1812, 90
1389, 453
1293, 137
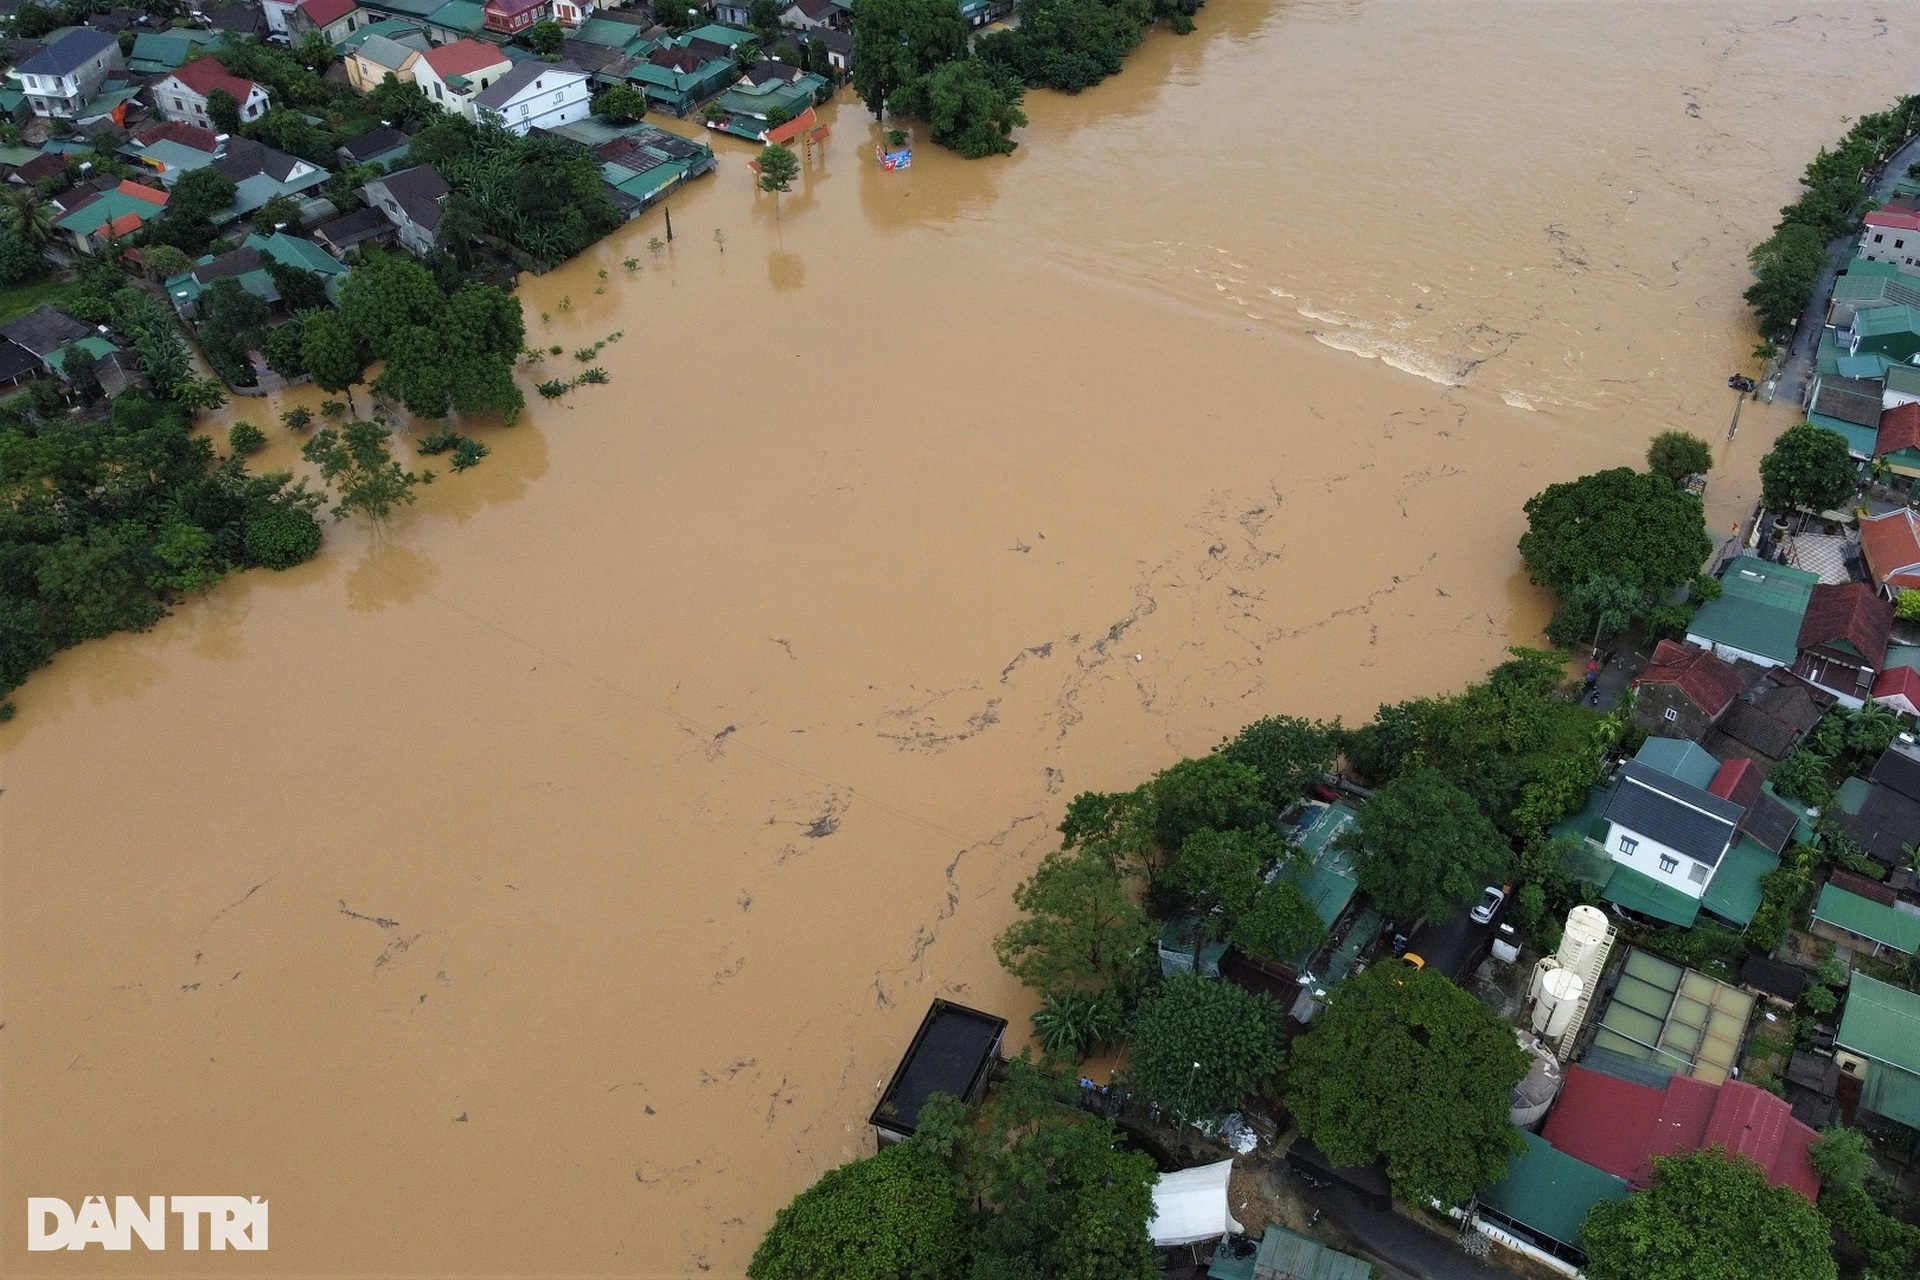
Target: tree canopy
1206, 791
1290, 754
1423, 848
1200, 1047
1679, 454
1081, 931
1809, 468
1633, 527
1402, 1064
891, 1216
104, 524
1707, 1217
443, 352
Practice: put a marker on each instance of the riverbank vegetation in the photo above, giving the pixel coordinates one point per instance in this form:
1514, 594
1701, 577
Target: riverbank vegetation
1138, 931
111, 516
919, 58
1788, 263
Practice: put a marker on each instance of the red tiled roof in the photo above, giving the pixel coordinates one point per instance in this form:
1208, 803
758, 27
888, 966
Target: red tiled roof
1709, 682
1849, 612
463, 57
1622, 1127
187, 135
1861, 887
815, 9
1898, 683
204, 75
1737, 781
323, 13
141, 192
1890, 542
1897, 219
1899, 429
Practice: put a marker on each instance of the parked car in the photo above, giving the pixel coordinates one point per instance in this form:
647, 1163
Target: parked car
1490, 900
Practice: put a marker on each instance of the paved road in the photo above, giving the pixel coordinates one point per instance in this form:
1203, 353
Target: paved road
1456, 947
1401, 1247
1790, 383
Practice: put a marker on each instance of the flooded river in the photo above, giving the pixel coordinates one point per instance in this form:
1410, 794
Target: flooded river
545, 883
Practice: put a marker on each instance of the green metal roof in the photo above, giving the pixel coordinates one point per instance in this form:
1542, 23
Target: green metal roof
1871, 367
1759, 610
1852, 796
1892, 1093
1590, 823
1550, 1192
1883, 924
1297, 1257
1881, 1022
1904, 378
460, 15
159, 52
721, 34
1638, 891
609, 34
99, 348
1880, 321
1679, 758
1734, 892
1860, 440
1859, 266
1890, 287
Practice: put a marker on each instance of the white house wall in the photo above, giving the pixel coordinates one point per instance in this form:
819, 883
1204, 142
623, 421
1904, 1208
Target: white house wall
1645, 858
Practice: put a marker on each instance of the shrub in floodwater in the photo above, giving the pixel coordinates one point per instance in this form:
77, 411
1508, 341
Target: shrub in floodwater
281, 535
555, 349
244, 439
332, 409
298, 419
439, 442
467, 453
595, 375
631, 264
553, 388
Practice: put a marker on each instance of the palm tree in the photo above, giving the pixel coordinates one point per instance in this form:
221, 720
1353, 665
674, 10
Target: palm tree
24, 214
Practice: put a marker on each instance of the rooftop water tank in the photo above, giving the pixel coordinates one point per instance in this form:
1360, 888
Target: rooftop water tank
1559, 997
1585, 934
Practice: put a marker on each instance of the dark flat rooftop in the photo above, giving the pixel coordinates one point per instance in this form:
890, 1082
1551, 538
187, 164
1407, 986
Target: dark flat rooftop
950, 1053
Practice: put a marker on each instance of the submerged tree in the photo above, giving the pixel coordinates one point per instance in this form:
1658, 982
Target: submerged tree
359, 466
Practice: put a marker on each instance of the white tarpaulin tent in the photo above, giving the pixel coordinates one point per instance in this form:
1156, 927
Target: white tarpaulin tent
1191, 1205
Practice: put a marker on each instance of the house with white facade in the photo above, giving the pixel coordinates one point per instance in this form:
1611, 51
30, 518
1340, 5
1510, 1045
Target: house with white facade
62, 78
1668, 830
453, 75
535, 95
183, 95
334, 19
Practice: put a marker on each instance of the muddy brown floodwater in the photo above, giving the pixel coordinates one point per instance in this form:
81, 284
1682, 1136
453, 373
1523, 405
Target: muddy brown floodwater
544, 884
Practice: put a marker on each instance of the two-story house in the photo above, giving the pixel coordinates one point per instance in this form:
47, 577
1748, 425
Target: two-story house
62, 78
511, 17
413, 200
371, 60
1669, 830
183, 95
1843, 640
535, 95
571, 13
1892, 235
453, 75
334, 19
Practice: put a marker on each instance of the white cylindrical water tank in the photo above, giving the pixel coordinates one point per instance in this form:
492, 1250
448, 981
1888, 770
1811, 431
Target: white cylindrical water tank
1541, 968
1559, 997
1585, 934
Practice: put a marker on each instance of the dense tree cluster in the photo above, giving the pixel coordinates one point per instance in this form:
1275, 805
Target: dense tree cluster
1708, 1217
105, 522
1404, 1066
1029, 1188
912, 57
1808, 468
541, 196
1617, 542
444, 351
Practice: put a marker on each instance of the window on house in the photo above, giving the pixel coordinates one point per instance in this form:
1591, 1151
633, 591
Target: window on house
1668, 864
1628, 844
525, 111
1699, 873
1673, 713
436, 91
558, 96
1877, 237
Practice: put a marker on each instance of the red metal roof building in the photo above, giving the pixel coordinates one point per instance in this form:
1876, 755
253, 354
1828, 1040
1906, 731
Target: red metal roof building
204, 75
324, 13
510, 17
1711, 683
1738, 780
1621, 1127
1891, 544
1895, 219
